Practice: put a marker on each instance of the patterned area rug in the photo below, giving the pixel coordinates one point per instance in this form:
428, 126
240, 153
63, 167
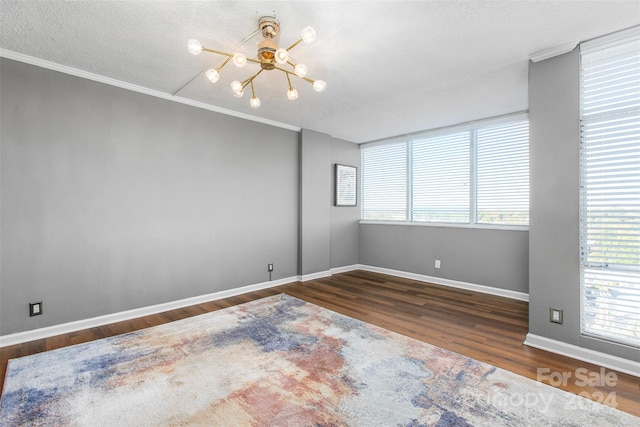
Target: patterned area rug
278, 361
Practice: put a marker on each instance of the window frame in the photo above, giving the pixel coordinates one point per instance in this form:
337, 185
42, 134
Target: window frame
603, 275
472, 128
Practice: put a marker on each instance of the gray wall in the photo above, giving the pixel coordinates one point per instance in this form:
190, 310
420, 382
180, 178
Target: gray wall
554, 258
315, 210
113, 200
328, 234
496, 258
344, 219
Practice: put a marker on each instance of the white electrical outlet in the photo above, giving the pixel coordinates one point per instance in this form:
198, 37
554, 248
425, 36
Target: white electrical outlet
555, 315
35, 308
437, 263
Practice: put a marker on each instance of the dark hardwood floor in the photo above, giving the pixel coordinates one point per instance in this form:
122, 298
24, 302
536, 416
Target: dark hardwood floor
477, 325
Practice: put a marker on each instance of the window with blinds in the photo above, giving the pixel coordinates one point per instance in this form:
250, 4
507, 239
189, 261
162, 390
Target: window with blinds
384, 183
440, 178
502, 174
475, 175
610, 187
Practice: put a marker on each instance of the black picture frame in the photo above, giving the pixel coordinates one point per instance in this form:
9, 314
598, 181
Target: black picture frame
346, 185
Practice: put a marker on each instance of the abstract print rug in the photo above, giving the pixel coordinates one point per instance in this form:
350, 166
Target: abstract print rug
278, 361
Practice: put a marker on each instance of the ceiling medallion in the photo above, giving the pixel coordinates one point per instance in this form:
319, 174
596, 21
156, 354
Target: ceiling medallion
270, 56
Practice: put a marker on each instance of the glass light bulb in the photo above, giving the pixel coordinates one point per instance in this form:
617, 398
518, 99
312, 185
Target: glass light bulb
282, 56
292, 94
213, 75
194, 47
238, 93
308, 35
300, 70
319, 85
236, 86
239, 59
255, 102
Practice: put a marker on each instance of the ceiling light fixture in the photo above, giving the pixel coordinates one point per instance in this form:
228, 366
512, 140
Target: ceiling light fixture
270, 56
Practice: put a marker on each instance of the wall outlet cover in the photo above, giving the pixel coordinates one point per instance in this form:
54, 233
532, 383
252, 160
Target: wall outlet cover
35, 308
555, 315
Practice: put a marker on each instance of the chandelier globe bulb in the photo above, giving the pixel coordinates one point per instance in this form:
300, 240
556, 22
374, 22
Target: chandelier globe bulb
301, 70
213, 75
239, 60
282, 56
236, 86
292, 94
319, 85
194, 47
308, 35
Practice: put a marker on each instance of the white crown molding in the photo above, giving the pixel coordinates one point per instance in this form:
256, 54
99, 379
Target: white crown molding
586, 355
140, 89
65, 328
554, 51
612, 39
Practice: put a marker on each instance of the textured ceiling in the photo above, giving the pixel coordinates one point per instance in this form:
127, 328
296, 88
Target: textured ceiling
392, 67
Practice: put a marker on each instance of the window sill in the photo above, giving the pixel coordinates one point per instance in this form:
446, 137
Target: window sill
449, 225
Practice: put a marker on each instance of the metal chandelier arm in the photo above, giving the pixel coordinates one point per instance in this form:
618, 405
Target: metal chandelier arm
285, 71
289, 81
225, 63
250, 80
219, 52
294, 74
294, 45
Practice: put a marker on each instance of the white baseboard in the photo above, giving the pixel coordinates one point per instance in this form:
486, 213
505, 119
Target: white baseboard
586, 355
65, 328
346, 268
49, 331
313, 276
558, 347
521, 296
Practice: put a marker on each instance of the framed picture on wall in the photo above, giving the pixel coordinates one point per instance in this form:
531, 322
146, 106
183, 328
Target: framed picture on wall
346, 185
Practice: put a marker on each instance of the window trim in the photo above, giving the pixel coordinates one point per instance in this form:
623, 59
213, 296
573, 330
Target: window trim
588, 268
448, 225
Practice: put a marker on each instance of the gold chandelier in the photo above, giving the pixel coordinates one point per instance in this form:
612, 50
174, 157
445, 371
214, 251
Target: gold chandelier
270, 57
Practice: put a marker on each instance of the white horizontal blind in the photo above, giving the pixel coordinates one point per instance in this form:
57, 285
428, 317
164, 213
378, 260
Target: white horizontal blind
384, 182
469, 174
610, 189
441, 178
502, 174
